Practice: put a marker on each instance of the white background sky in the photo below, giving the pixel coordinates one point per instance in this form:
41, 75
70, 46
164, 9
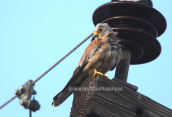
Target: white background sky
34, 34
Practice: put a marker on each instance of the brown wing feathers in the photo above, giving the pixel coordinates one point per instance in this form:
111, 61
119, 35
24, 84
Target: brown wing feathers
91, 46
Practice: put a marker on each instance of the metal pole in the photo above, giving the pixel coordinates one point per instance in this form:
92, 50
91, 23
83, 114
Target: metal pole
123, 66
30, 113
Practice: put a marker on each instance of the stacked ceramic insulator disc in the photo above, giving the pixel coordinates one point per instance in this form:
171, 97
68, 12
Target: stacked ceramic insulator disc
138, 26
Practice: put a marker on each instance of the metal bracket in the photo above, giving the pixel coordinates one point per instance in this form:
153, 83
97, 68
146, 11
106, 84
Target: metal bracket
24, 93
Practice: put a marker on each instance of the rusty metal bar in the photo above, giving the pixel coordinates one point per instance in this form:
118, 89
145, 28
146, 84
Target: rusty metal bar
123, 66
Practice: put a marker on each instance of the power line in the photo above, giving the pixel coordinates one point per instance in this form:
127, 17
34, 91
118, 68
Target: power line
30, 113
8, 101
52, 66
63, 58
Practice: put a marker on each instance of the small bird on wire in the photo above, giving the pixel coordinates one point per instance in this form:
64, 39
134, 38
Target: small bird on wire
100, 56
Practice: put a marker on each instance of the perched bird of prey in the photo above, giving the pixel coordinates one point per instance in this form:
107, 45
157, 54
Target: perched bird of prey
100, 56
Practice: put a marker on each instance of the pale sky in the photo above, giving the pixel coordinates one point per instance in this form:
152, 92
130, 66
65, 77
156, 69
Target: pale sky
35, 34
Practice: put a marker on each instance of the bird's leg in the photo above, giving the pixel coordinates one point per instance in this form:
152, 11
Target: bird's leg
96, 72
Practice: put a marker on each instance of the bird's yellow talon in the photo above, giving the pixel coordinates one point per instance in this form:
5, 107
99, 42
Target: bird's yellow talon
96, 72
106, 76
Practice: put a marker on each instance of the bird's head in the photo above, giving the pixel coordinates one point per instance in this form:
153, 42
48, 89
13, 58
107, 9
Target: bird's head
101, 31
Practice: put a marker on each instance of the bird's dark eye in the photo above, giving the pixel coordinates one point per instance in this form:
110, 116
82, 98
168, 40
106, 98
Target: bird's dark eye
100, 30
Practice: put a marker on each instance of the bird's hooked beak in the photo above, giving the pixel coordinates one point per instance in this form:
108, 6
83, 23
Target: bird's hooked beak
96, 33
